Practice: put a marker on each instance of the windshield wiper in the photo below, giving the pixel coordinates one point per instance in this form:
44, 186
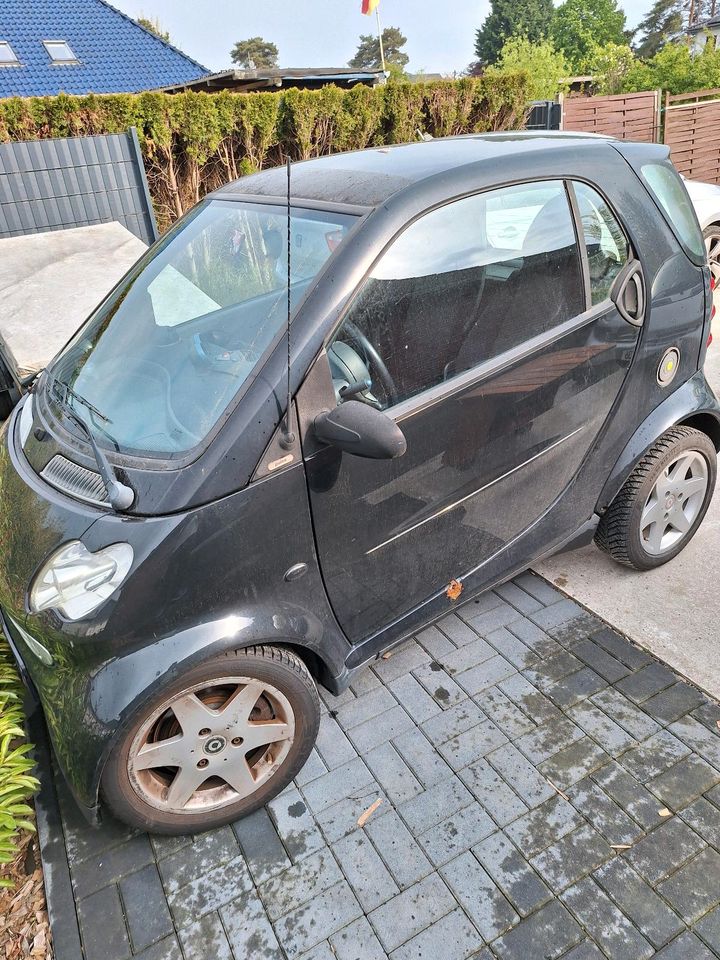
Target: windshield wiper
120, 496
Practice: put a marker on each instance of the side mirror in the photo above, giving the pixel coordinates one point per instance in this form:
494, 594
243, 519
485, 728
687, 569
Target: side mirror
362, 430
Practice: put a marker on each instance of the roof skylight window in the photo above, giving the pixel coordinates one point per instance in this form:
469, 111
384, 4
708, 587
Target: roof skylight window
8, 57
60, 51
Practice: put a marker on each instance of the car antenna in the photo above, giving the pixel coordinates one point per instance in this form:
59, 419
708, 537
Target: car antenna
288, 437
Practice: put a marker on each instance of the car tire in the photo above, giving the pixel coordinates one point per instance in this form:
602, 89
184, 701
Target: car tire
183, 765
712, 245
662, 503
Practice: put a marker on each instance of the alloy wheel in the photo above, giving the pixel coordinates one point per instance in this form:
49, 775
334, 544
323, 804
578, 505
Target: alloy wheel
712, 245
211, 745
674, 503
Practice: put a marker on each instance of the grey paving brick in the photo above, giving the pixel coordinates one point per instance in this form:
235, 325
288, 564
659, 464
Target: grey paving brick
520, 774
654, 756
646, 682
556, 614
261, 846
469, 655
204, 938
573, 857
294, 824
512, 873
629, 793
146, 911
388, 725
514, 650
103, 868
548, 739
299, 883
401, 660
585, 951
457, 630
485, 675
604, 814
597, 724
439, 684
332, 745
481, 604
714, 795
637, 723
621, 648
463, 749
456, 834
102, 926
673, 703
538, 588
607, 925
317, 919
312, 769
479, 896
399, 850
708, 714
367, 707
452, 937
435, 804
578, 628
697, 736
533, 637
544, 826
533, 703
422, 758
165, 846
686, 947
435, 642
523, 601
638, 901
575, 688
450, 723
486, 784
364, 681
552, 669
357, 941
573, 763
505, 714
500, 616
547, 933
208, 850
341, 818
82, 843
709, 930
336, 785
414, 698
704, 818
411, 911
209, 890
322, 951
695, 888
664, 850
167, 949
392, 773
366, 873
600, 660
684, 782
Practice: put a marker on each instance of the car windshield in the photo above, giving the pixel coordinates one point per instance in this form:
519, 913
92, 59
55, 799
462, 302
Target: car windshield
153, 370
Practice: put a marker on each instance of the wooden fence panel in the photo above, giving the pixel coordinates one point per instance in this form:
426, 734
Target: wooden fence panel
630, 116
691, 131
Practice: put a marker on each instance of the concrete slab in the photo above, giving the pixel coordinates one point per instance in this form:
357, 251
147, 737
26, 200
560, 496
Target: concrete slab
673, 611
51, 282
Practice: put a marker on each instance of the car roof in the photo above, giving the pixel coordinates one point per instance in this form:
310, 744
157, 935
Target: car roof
367, 178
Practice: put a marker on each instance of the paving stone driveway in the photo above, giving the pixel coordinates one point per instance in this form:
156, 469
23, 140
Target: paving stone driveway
548, 790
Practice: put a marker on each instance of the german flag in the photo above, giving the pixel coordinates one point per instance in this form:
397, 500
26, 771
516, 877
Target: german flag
369, 6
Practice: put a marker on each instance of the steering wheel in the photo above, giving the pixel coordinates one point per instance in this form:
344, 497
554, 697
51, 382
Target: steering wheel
373, 360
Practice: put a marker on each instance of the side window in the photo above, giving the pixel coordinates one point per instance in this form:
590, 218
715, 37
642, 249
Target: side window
605, 242
667, 187
460, 286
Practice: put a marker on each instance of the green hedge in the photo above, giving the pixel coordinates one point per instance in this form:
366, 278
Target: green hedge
193, 142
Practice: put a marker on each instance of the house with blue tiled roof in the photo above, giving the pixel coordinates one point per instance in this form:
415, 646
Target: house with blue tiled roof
83, 46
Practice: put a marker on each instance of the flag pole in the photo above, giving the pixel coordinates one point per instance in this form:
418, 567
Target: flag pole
380, 38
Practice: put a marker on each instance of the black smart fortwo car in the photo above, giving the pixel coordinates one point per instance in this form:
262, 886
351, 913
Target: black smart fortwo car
496, 353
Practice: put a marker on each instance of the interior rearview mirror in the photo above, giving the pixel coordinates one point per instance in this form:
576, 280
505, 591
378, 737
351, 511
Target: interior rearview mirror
362, 430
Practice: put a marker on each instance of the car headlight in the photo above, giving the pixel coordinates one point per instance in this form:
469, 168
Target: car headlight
75, 581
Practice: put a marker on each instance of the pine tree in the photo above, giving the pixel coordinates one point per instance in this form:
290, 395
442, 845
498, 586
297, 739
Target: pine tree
664, 20
368, 52
508, 18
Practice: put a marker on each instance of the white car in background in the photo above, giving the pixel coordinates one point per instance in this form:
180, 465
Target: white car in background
706, 200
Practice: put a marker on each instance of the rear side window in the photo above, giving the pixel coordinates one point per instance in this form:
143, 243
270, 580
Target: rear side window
468, 282
605, 242
668, 188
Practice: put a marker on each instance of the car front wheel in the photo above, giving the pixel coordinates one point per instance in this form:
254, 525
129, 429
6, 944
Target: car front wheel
662, 503
215, 745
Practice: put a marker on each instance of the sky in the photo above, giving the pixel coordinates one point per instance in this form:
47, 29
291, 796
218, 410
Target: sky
324, 33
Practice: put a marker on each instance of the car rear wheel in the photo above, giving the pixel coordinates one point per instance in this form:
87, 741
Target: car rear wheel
662, 503
712, 245
215, 745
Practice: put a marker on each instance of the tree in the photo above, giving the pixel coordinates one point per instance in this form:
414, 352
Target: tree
255, 53
154, 27
664, 20
609, 66
545, 65
581, 25
368, 51
508, 18
676, 69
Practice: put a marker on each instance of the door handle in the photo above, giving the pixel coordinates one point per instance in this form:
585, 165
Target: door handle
628, 293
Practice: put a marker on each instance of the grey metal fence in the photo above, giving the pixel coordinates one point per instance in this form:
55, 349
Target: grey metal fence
74, 182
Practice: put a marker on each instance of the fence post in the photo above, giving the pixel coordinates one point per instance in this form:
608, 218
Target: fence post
561, 101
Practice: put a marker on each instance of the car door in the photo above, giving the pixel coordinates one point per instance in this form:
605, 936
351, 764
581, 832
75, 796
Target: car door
490, 336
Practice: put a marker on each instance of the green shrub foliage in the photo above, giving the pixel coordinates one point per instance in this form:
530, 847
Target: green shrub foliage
194, 142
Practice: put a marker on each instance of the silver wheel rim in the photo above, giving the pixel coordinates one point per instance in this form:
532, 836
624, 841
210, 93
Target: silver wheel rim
712, 245
214, 744
674, 503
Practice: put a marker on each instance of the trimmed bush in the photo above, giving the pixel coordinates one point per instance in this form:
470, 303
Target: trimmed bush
194, 142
